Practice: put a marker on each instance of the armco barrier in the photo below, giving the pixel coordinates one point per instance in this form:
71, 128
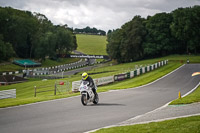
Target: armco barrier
8, 94
75, 86
104, 80
45, 71
131, 74
119, 77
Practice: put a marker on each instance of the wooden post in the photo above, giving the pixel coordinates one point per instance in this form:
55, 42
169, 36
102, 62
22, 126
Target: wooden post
55, 89
35, 91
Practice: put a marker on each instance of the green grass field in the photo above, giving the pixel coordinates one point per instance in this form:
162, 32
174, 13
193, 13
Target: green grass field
10, 68
181, 125
91, 44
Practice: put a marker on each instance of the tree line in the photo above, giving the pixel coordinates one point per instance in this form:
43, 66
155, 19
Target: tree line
163, 34
88, 30
25, 34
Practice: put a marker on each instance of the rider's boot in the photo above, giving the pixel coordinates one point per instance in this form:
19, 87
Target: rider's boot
94, 91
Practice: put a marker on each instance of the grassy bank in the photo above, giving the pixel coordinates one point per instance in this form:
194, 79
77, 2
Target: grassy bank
191, 98
181, 125
91, 44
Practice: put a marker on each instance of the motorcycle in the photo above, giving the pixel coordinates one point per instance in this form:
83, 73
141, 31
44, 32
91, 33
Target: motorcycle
87, 95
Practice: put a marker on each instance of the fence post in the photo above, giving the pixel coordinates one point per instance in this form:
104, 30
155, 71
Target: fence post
55, 89
35, 91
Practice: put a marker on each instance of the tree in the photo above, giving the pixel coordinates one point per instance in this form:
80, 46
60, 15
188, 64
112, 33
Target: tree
65, 41
33, 35
46, 46
185, 27
18, 29
6, 50
125, 44
194, 42
89, 30
159, 40
133, 34
113, 46
109, 32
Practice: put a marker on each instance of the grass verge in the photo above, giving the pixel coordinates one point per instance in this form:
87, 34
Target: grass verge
180, 125
191, 98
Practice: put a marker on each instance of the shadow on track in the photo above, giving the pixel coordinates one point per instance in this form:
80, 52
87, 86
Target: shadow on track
107, 104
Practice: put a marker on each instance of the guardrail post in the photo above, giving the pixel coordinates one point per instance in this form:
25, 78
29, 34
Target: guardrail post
35, 91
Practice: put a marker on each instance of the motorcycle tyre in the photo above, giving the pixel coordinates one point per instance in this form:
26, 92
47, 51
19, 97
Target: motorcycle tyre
83, 100
96, 99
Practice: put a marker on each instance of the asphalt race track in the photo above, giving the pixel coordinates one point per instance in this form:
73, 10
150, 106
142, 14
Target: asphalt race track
69, 115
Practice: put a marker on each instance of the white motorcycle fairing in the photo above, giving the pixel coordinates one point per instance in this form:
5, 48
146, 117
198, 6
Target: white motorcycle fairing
87, 94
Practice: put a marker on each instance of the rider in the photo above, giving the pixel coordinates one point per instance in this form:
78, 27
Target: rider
86, 77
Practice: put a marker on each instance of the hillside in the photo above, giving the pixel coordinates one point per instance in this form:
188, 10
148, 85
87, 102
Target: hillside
91, 44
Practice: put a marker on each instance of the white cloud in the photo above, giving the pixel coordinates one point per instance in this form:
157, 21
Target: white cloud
102, 14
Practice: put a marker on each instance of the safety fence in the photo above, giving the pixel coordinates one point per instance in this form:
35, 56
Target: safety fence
45, 77
123, 76
60, 87
48, 70
8, 94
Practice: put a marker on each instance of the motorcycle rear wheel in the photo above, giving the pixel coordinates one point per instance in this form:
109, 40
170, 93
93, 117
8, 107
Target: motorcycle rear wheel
96, 99
84, 100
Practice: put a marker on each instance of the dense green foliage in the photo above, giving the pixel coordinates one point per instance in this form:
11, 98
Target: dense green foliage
6, 49
159, 35
89, 30
32, 35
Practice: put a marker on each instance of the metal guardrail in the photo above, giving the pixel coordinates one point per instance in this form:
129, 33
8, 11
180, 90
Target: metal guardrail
8, 94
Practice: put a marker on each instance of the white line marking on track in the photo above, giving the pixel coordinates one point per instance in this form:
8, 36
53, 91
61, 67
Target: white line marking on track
170, 118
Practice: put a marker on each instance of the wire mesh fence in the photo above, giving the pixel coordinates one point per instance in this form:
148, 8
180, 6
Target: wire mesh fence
60, 87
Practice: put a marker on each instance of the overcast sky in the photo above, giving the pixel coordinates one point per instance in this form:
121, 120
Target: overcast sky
101, 14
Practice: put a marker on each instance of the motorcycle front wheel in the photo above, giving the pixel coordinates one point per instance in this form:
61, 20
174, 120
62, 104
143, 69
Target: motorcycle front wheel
84, 100
96, 99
